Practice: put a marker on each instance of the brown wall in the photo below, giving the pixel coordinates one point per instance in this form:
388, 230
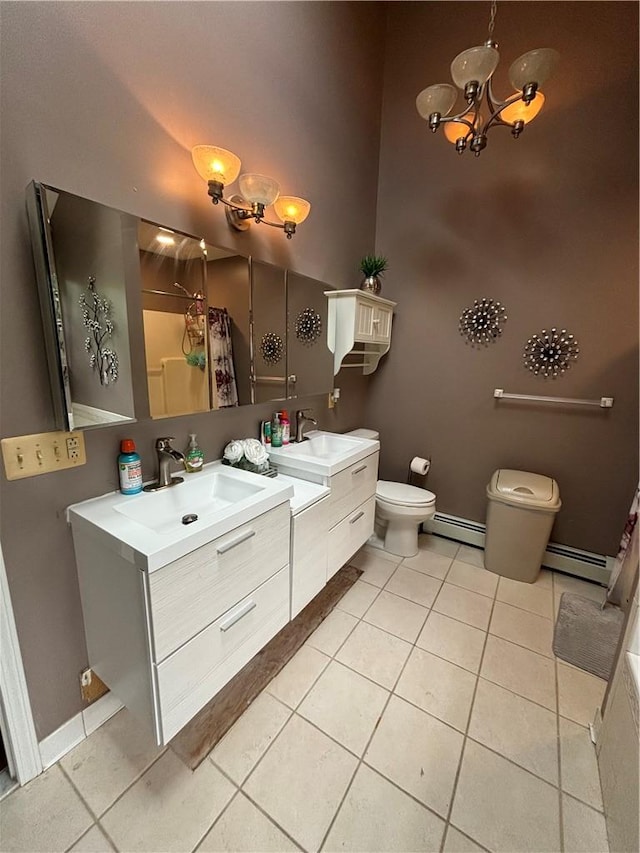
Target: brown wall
547, 225
106, 100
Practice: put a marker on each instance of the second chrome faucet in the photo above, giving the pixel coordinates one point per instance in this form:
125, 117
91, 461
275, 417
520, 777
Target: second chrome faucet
302, 419
165, 454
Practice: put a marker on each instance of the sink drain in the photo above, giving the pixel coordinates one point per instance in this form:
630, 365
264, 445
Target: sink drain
189, 518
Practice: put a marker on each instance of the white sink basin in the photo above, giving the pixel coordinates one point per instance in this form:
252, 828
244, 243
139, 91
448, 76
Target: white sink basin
164, 511
148, 529
322, 454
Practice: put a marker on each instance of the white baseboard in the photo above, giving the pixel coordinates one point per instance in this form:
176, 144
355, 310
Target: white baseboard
75, 730
563, 558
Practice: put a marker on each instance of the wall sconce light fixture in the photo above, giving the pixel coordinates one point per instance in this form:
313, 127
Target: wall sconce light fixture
471, 71
219, 168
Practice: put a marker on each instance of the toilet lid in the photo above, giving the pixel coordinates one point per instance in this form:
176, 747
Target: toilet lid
401, 494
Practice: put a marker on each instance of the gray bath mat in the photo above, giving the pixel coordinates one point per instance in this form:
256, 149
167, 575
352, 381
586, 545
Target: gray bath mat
586, 635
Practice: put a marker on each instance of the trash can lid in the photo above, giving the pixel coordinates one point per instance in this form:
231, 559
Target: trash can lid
523, 488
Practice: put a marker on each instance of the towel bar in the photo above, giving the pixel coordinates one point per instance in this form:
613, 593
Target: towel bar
603, 402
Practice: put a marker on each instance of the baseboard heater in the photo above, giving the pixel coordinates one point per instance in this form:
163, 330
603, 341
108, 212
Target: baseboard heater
562, 558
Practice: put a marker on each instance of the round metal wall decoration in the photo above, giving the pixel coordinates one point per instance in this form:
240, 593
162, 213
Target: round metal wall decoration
550, 353
308, 326
271, 347
481, 323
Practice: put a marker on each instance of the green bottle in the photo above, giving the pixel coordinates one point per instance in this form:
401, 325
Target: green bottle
194, 457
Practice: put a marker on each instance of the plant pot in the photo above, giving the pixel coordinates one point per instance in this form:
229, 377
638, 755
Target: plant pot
371, 284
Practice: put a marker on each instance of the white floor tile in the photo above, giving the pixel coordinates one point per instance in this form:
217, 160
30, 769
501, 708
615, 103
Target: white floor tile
429, 563
376, 570
380, 552
471, 555
374, 654
293, 681
397, 615
521, 627
503, 807
431, 542
455, 641
475, 578
580, 775
417, 752
248, 739
464, 605
301, 781
520, 670
243, 828
516, 728
170, 808
111, 759
587, 589
376, 816
416, 586
358, 599
30, 817
585, 830
95, 841
439, 687
579, 694
456, 842
345, 705
332, 632
534, 597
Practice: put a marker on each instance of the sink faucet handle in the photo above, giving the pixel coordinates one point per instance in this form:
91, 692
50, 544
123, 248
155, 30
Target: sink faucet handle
164, 443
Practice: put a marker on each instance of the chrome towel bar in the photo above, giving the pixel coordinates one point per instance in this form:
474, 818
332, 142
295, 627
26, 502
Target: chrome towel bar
603, 402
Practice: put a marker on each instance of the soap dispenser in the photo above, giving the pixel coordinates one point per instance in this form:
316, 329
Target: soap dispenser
194, 457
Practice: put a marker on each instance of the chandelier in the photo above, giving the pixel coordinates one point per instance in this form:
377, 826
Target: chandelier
471, 71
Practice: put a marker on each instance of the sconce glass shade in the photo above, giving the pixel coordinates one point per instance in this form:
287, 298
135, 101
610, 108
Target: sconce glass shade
519, 111
439, 98
453, 130
215, 164
535, 66
290, 208
258, 189
476, 63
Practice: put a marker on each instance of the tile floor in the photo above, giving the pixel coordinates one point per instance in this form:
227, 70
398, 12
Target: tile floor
427, 713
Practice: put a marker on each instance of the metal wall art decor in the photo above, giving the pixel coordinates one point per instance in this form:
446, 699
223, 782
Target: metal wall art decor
481, 323
271, 347
308, 326
96, 316
550, 353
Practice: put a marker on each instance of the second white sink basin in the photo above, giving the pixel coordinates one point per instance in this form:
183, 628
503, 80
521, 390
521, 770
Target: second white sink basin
322, 454
164, 511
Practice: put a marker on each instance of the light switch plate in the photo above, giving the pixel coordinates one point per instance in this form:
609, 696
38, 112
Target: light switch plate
41, 453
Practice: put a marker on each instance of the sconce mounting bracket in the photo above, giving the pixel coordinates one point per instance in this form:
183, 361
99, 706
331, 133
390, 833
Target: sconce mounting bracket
238, 219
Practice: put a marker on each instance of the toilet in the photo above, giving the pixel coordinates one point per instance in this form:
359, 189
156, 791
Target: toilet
400, 510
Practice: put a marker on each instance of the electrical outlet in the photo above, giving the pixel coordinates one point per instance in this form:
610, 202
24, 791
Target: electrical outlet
30, 455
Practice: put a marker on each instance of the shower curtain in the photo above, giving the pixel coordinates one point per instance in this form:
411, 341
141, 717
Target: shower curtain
223, 374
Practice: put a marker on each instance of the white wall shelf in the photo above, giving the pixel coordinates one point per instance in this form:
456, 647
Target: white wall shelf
359, 325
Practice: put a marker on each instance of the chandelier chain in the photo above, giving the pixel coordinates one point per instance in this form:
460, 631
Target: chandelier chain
492, 18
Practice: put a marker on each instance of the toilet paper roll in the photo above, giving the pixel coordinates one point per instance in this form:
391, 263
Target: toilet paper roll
420, 465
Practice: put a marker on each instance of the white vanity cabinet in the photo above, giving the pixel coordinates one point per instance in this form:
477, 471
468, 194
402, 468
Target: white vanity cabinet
359, 325
165, 640
351, 510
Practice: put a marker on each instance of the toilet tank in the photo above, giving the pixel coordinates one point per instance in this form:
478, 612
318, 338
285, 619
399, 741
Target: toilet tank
371, 434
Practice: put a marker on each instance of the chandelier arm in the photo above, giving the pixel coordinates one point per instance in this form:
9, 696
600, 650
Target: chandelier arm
237, 207
459, 120
494, 118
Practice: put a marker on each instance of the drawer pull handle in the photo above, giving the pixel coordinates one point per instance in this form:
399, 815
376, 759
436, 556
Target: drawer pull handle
359, 470
237, 616
242, 538
356, 517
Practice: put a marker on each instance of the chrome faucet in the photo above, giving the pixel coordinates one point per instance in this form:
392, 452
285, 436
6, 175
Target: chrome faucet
302, 419
165, 454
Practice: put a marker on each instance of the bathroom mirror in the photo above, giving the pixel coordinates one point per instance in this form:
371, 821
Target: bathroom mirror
84, 259
309, 360
269, 332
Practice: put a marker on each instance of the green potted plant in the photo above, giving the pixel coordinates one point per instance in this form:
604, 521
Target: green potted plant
373, 266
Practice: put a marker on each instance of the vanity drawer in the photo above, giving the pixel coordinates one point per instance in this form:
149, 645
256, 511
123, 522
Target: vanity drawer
191, 676
189, 594
350, 535
308, 554
351, 487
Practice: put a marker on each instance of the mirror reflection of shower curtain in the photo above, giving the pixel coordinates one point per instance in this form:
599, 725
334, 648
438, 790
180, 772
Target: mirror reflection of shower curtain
223, 374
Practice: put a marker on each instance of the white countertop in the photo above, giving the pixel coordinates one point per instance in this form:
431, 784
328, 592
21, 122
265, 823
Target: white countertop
305, 494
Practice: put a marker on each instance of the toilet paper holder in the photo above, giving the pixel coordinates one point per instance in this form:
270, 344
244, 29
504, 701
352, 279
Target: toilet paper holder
418, 466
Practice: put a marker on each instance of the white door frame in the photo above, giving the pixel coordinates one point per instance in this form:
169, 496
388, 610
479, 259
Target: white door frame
16, 719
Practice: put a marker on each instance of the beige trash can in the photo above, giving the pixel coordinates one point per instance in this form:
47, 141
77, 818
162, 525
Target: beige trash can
520, 514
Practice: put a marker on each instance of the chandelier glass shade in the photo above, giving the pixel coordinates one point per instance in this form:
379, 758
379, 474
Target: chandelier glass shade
471, 71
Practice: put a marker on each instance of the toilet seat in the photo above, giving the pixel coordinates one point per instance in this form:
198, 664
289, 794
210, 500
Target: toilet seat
401, 494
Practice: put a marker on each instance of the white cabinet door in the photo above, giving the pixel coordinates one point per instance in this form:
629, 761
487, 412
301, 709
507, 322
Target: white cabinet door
309, 531
350, 535
365, 329
382, 324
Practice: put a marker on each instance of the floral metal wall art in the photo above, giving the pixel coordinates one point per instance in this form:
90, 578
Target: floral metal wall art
550, 353
96, 317
308, 326
271, 347
481, 324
